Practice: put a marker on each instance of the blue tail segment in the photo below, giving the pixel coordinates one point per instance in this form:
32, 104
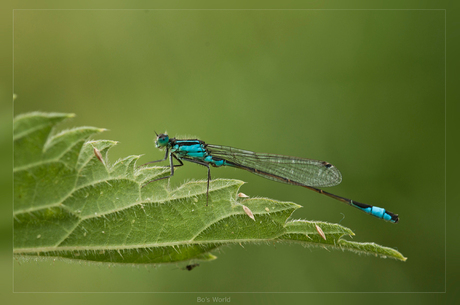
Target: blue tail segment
307, 173
375, 211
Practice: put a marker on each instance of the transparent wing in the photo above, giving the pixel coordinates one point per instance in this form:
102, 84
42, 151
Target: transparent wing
305, 171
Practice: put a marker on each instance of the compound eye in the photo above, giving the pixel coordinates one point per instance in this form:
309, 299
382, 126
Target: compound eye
163, 139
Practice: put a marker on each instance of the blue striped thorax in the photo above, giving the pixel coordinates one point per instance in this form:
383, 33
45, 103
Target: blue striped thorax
188, 149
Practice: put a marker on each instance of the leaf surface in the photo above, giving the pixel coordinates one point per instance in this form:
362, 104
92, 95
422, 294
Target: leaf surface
70, 204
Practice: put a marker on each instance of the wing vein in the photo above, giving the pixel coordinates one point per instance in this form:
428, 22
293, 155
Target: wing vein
305, 171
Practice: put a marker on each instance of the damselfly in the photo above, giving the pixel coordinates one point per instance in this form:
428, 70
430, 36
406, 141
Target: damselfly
307, 173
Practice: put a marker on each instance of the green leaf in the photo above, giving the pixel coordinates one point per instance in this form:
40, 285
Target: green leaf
71, 203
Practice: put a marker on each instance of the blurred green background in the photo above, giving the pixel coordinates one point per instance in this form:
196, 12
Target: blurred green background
363, 90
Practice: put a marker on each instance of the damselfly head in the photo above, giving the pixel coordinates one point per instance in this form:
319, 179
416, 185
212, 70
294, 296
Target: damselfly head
162, 140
